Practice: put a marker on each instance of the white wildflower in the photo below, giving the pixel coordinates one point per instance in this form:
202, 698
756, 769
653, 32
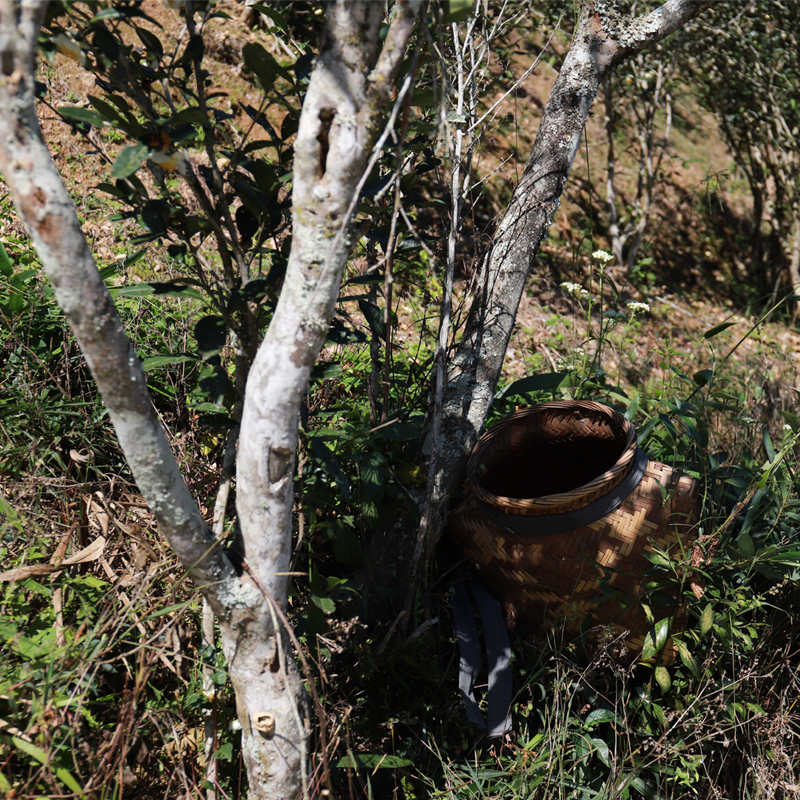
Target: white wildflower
169, 162
575, 289
787, 427
69, 47
603, 256
637, 308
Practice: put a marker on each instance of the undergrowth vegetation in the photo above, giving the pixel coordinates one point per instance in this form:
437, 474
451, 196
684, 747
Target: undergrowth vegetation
107, 688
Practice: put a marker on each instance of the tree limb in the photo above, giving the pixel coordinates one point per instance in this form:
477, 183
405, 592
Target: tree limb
603, 37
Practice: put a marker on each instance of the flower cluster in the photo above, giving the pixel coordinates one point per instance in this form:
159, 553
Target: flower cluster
637, 308
615, 316
576, 290
603, 256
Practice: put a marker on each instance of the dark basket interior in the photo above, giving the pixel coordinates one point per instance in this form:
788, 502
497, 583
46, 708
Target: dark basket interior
534, 457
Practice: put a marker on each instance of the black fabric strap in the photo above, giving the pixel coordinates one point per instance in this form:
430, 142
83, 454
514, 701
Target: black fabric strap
498, 653
470, 648
571, 520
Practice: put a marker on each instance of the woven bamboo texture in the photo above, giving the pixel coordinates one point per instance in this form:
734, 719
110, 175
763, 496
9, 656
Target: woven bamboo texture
552, 458
555, 581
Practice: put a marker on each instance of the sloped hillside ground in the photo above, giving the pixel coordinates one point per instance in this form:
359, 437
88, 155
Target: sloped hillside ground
126, 711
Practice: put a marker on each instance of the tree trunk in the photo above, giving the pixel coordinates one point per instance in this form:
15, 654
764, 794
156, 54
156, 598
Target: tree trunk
603, 37
339, 126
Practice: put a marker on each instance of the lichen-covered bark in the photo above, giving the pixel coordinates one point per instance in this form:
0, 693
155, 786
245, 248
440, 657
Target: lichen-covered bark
339, 125
603, 37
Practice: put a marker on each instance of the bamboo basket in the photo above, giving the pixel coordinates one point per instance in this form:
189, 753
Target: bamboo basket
533, 481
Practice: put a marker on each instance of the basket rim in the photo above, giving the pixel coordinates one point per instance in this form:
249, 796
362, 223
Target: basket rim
563, 501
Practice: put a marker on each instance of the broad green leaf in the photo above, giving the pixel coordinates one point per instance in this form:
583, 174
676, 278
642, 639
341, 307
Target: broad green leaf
373, 761
189, 116
745, 545
82, 115
599, 715
128, 160
261, 64
324, 604
688, 659
30, 749
703, 377
712, 332
655, 639
706, 620
663, 679
602, 751
548, 382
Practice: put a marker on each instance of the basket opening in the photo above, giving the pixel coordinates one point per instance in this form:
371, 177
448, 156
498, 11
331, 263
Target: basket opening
539, 465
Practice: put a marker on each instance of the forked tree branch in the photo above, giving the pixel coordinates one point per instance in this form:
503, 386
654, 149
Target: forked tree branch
603, 37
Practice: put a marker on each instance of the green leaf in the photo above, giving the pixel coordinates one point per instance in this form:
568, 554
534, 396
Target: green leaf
210, 333
155, 362
164, 289
399, 432
66, 778
599, 715
82, 115
106, 14
331, 465
548, 382
458, 10
688, 659
712, 332
703, 377
372, 761
261, 64
6, 267
30, 749
374, 317
189, 116
274, 15
324, 604
745, 545
706, 620
128, 160
602, 751
663, 679
655, 640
